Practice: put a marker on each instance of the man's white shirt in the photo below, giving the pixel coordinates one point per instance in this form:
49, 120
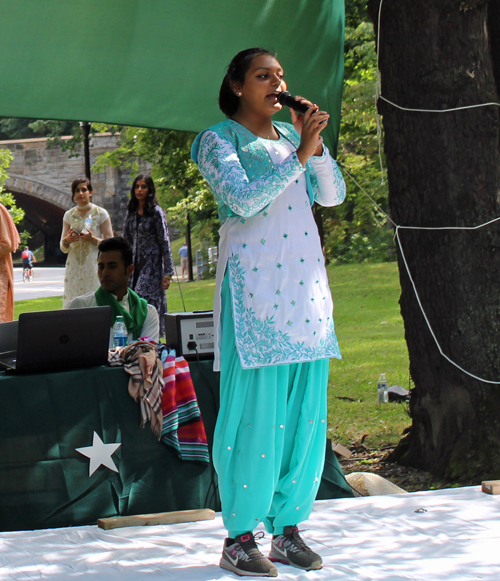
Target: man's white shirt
151, 327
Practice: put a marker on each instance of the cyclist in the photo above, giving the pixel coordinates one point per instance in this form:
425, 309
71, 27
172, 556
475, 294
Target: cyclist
28, 260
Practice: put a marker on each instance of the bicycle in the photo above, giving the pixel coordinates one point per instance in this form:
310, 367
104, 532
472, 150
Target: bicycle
27, 274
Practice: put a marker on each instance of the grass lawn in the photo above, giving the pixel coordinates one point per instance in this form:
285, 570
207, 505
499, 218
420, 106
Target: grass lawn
371, 336
197, 296
29, 306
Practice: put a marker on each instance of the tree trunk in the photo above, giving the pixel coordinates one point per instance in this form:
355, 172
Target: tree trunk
318, 218
444, 170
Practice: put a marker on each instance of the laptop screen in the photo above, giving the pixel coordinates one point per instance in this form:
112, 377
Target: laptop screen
8, 337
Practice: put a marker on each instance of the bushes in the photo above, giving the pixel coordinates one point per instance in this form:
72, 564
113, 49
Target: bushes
373, 246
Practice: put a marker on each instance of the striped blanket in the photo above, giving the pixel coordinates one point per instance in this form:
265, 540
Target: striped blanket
183, 427
161, 383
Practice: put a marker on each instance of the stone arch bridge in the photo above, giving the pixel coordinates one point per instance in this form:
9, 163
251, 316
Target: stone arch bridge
40, 180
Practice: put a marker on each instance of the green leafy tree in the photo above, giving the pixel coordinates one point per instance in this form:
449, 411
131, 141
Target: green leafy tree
22, 128
180, 187
356, 231
6, 198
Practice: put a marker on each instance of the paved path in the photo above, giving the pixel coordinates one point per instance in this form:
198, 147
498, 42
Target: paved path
47, 282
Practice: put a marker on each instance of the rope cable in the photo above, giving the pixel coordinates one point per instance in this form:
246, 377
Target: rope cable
379, 82
379, 96
439, 110
396, 236
398, 239
368, 195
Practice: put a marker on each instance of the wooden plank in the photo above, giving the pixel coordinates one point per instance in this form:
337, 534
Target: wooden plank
342, 450
162, 518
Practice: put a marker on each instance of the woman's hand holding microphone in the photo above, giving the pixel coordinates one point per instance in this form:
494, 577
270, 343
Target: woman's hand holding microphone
309, 124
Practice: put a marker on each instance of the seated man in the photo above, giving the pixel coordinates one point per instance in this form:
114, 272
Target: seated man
114, 266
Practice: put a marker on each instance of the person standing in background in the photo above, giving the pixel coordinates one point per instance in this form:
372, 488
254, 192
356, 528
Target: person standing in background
146, 229
183, 251
84, 226
9, 243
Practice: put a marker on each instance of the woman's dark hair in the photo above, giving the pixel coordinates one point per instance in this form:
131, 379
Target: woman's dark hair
117, 244
236, 71
76, 183
151, 200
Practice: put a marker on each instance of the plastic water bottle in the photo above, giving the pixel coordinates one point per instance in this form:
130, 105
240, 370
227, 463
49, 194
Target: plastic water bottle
382, 385
120, 334
87, 224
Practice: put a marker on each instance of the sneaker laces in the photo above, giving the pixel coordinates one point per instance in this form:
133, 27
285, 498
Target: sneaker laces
294, 538
248, 549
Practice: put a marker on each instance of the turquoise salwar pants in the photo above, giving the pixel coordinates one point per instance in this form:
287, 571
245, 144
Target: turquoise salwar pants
269, 441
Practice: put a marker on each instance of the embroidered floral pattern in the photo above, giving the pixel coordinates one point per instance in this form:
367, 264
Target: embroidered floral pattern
258, 184
236, 165
235, 193
260, 343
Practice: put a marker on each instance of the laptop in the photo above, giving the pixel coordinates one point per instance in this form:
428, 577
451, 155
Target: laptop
8, 338
56, 340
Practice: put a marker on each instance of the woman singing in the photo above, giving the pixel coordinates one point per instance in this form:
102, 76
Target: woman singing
84, 226
273, 312
146, 229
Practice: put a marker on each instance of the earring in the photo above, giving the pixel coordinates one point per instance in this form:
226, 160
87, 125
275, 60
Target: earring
238, 94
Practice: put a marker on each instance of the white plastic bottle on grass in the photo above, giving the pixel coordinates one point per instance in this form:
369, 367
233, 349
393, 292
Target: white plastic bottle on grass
382, 385
120, 334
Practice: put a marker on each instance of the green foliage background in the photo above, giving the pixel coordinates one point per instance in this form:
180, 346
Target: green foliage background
357, 230
6, 198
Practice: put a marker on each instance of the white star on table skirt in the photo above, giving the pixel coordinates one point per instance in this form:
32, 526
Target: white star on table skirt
99, 453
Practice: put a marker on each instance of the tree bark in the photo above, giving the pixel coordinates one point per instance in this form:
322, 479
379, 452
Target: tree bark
444, 170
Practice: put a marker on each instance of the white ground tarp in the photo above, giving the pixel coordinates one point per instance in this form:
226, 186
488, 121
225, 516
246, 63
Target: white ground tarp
446, 535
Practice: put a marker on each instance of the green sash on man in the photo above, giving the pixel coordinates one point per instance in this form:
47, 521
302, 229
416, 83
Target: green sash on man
134, 320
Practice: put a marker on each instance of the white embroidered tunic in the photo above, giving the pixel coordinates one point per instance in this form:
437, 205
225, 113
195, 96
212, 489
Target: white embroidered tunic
282, 305
80, 275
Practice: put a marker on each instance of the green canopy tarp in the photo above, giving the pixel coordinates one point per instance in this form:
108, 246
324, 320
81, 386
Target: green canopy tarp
159, 63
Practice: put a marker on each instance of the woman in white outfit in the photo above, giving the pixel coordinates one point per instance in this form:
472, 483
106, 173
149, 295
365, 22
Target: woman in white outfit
84, 226
273, 311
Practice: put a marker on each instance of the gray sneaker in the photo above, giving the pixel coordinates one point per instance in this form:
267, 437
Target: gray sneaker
290, 549
241, 556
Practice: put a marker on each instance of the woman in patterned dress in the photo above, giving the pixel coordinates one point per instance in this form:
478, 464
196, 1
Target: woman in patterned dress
273, 312
84, 226
146, 229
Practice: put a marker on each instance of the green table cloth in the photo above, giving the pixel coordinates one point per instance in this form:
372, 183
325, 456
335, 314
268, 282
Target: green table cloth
44, 480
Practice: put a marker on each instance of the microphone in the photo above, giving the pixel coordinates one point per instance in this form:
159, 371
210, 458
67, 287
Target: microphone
285, 98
